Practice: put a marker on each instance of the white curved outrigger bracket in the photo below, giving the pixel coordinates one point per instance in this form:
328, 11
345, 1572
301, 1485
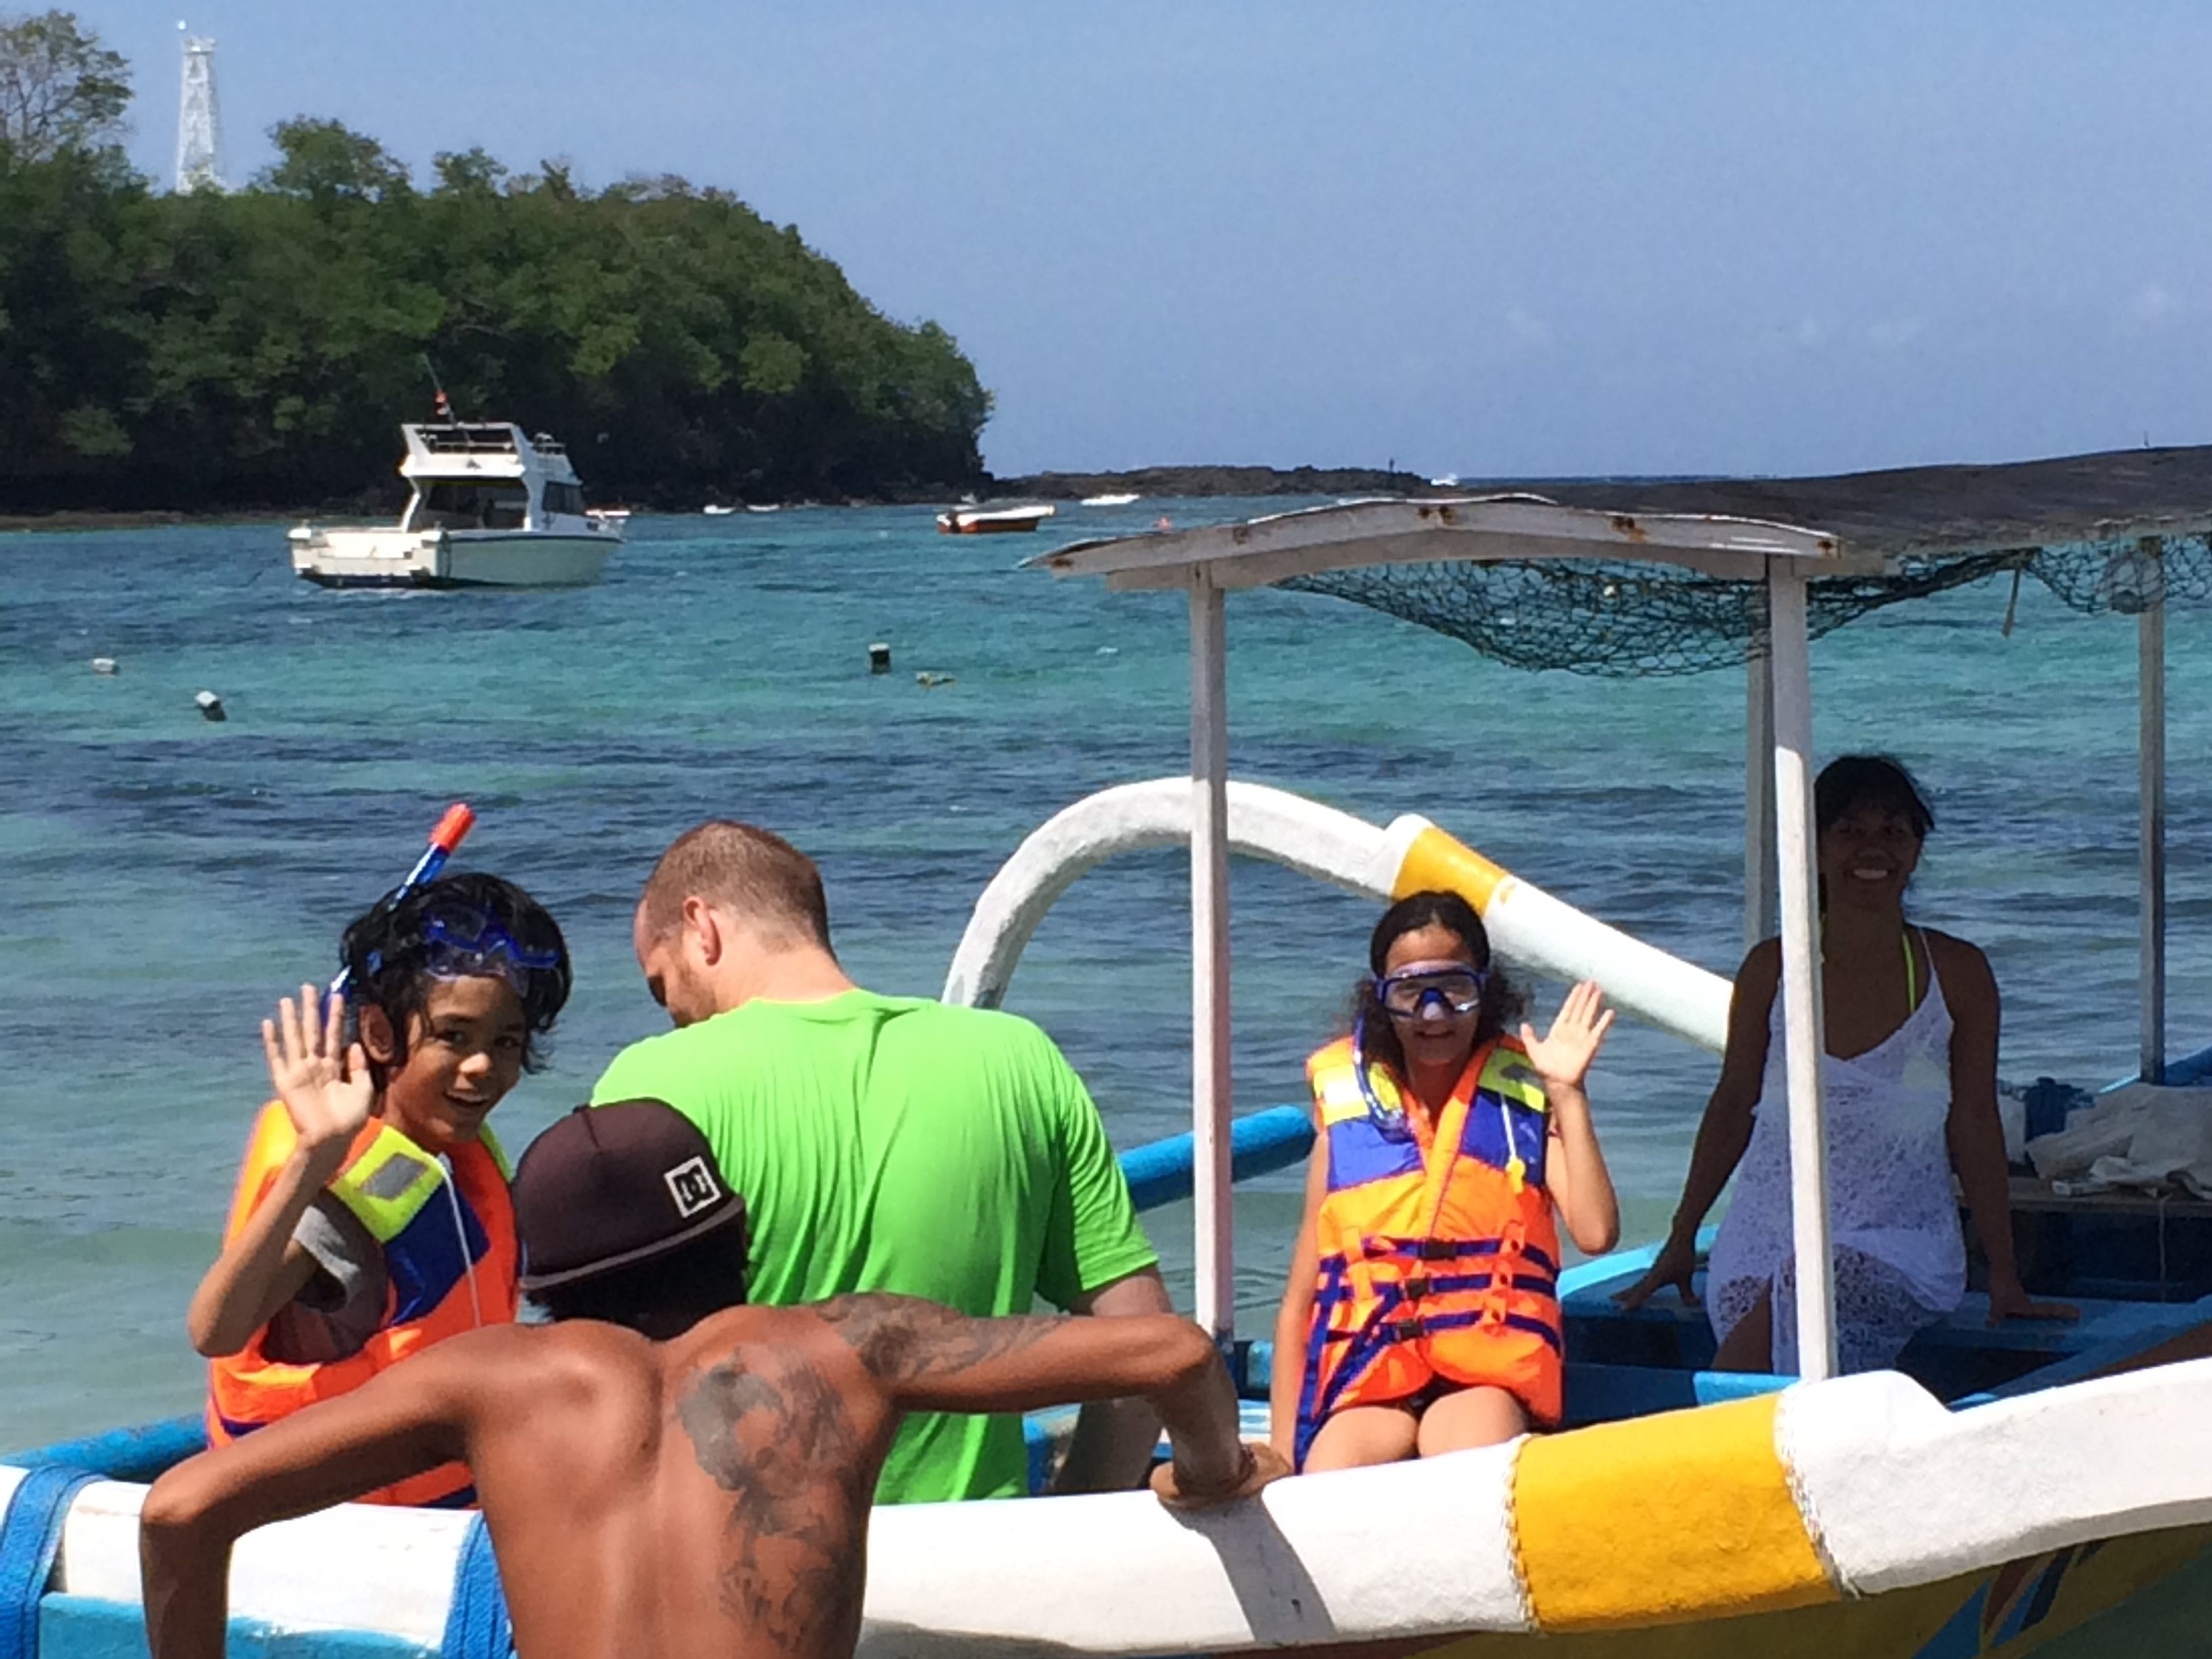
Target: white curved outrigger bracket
1548, 936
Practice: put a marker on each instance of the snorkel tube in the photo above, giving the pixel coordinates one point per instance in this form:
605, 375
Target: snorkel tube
452, 830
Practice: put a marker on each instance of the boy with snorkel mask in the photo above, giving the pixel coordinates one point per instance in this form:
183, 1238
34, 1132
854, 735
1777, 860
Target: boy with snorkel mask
372, 1217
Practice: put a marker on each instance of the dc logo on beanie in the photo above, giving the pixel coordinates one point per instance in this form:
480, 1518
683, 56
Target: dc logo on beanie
693, 1186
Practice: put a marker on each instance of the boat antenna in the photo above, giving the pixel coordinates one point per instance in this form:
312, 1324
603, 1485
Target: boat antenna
441, 406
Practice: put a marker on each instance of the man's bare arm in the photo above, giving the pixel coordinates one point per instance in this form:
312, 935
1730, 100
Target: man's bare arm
1112, 1446
408, 1419
930, 1358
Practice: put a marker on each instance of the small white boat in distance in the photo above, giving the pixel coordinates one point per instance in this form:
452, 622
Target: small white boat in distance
491, 509
979, 521
1120, 498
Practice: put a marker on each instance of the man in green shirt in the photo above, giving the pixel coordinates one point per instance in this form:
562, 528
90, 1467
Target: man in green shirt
884, 1143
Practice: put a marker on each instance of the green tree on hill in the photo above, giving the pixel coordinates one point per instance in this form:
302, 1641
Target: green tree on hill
59, 88
211, 350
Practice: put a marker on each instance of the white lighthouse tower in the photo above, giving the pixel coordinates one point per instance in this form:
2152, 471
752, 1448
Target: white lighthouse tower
199, 119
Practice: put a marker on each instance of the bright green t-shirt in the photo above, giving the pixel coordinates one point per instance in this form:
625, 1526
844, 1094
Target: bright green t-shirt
896, 1144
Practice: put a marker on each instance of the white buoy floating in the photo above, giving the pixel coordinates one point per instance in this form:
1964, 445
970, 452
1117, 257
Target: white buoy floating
211, 707
879, 657
103, 666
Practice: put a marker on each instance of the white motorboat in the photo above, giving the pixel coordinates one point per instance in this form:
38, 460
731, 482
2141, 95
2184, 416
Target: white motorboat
491, 509
990, 521
1116, 498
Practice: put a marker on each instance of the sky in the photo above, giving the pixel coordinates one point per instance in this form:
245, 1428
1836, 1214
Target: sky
1497, 241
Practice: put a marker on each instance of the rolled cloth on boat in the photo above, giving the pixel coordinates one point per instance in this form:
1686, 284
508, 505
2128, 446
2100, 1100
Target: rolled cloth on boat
2142, 1135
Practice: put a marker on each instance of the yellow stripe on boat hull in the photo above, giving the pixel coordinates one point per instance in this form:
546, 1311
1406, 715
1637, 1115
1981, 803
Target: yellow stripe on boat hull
2156, 1588
1660, 1519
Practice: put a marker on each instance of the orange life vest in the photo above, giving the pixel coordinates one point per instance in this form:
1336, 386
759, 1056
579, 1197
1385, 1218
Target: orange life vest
1439, 1255
445, 1273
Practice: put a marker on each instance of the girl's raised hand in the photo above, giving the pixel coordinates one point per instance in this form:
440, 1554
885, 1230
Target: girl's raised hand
324, 1084
1564, 1055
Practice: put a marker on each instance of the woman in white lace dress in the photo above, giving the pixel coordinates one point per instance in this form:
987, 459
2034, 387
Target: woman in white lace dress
1909, 1085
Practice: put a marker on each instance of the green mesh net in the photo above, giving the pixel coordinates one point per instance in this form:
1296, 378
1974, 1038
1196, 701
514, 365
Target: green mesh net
1628, 620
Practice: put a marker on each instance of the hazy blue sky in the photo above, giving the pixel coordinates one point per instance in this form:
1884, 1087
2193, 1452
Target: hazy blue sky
1540, 238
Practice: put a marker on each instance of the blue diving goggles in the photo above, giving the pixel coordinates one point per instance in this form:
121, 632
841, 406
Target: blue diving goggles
1456, 989
462, 942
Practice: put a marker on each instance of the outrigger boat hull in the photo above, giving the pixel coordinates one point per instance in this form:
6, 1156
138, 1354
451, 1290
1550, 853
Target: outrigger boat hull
1857, 1517
1854, 1518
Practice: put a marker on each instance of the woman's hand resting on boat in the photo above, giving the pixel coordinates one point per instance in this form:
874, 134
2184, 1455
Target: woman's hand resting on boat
324, 1084
2008, 1300
1676, 1261
1562, 1056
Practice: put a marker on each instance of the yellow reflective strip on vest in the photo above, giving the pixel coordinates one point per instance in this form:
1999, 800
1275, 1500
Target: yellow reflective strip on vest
1338, 1098
1680, 1515
1336, 1089
1510, 1074
491, 1144
388, 1184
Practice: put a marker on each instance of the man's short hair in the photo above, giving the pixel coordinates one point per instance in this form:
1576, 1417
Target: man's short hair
747, 870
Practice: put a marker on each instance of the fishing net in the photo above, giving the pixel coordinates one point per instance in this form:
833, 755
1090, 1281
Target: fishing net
1628, 621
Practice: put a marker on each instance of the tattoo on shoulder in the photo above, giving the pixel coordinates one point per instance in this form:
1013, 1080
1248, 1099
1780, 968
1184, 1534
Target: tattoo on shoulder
904, 1338
775, 1434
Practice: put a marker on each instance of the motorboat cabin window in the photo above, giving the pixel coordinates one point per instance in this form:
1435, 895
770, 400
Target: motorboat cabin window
467, 504
565, 498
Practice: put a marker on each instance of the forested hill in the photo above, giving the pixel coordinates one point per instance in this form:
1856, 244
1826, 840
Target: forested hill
259, 348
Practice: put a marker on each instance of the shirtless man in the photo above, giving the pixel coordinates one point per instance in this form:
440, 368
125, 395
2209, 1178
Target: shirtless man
697, 1483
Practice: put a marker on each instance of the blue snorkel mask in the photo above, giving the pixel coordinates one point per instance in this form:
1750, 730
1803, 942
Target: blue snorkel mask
462, 942
1453, 989
1447, 990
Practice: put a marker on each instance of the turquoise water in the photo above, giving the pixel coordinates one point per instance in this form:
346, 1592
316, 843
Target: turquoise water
163, 879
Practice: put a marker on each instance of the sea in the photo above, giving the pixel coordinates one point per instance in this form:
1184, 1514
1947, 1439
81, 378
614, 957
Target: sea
164, 878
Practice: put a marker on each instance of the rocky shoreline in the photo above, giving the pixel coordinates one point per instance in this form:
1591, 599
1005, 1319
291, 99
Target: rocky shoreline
1148, 482
1217, 481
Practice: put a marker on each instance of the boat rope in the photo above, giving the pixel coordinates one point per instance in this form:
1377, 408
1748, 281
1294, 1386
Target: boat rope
30, 1538
476, 1623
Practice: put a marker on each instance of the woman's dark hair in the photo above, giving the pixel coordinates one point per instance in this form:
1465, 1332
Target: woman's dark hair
396, 950
663, 1296
1850, 782
1501, 1002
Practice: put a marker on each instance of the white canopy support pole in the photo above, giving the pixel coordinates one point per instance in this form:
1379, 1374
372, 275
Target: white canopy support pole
1213, 1246
2150, 648
1801, 963
1758, 913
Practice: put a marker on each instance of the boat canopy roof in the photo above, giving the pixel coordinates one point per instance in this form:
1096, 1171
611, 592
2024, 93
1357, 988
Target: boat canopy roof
482, 449
1634, 577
